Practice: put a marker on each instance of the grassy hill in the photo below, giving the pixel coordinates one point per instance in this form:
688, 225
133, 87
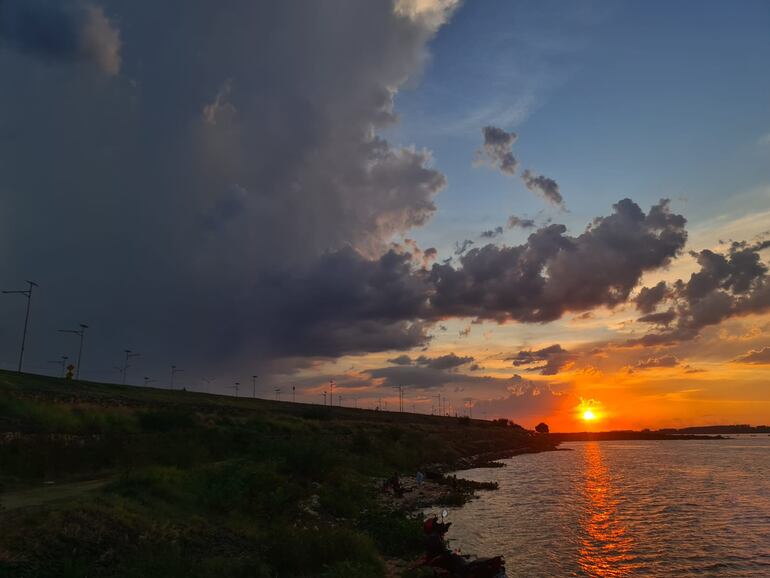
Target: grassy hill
106, 480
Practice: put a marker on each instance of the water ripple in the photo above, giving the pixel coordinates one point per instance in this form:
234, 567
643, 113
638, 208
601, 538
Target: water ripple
618, 509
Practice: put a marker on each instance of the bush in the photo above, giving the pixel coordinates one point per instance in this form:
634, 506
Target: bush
166, 420
394, 533
310, 552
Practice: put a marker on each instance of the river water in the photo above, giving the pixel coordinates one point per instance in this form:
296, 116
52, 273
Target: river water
626, 508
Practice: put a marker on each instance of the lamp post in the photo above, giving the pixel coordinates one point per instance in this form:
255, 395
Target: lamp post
129, 355
174, 371
81, 333
28, 294
62, 362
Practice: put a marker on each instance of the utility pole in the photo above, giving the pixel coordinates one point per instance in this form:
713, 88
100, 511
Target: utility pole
235, 386
278, 394
174, 371
400, 389
340, 400
129, 355
81, 333
293, 394
254, 386
331, 392
324, 394
438, 409
147, 381
28, 294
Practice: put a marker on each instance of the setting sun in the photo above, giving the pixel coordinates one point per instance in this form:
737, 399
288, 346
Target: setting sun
589, 415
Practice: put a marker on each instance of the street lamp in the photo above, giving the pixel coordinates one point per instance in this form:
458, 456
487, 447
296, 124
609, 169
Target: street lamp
62, 362
81, 333
129, 355
174, 371
28, 294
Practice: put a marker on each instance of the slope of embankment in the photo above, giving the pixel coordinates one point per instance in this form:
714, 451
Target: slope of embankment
106, 480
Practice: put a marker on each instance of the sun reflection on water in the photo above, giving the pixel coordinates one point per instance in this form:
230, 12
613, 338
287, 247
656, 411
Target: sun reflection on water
605, 549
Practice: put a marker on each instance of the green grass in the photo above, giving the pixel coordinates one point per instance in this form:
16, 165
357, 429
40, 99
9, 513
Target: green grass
204, 485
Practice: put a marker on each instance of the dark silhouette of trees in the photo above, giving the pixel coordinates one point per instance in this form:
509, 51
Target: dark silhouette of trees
542, 428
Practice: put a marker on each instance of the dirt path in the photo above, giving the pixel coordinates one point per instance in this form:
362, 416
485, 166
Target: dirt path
48, 493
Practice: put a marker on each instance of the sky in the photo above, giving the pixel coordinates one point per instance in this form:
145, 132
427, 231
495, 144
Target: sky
511, 209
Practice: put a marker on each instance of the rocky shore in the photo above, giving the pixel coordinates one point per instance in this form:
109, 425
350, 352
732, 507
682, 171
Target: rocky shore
441, 489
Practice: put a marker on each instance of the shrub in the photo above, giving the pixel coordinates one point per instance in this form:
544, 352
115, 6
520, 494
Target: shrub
166, 420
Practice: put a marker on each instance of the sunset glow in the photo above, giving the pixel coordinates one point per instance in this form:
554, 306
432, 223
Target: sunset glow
589, 415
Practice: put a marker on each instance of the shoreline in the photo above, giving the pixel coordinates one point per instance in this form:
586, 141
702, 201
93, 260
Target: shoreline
442, 488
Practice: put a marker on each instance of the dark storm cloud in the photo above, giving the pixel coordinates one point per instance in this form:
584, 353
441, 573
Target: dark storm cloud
442, 362
514, 221
730, 284
234, 206
60, 31
548, 360
346, 303
649, 297
660, 318
544, 186
193, 201
401, 360
553, 272
498, 149
492, 233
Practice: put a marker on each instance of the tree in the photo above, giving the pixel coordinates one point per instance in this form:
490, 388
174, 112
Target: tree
541, 428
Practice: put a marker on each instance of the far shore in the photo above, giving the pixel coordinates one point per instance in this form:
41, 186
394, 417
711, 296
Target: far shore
629, 435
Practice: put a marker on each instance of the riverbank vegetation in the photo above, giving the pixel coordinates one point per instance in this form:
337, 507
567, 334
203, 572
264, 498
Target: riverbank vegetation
192, 484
